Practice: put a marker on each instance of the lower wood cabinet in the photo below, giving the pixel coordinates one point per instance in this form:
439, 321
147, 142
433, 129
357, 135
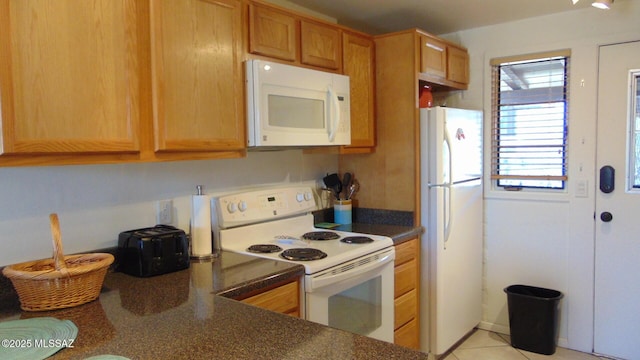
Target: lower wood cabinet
406, 293
283, 299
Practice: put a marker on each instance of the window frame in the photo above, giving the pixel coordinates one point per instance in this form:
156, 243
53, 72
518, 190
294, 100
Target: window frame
494, 86
633, 118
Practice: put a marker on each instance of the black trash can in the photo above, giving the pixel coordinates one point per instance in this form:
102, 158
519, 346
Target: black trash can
533, 318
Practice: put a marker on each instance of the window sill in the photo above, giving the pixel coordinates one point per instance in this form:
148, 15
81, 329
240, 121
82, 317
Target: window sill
561, 196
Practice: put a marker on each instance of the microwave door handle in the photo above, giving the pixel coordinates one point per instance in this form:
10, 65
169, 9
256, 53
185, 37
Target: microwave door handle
334, 114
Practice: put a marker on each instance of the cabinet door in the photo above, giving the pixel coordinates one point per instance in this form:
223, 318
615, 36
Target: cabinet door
68, 76
433, 55
359, 65
272, 33
320, 45
458, 65
197, 75
284, 299
407, 335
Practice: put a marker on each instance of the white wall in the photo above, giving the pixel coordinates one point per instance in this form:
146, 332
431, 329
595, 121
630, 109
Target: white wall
536, 240
96, 202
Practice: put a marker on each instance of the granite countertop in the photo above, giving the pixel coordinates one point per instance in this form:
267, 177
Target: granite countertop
398, 233
187, 315
398, 225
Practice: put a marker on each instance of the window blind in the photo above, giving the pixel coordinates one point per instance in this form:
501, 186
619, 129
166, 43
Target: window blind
530, 102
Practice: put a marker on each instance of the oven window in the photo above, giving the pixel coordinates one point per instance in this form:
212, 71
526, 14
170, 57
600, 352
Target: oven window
294, 112
358, 309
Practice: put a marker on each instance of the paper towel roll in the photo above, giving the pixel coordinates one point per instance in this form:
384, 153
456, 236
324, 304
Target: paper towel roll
200, 226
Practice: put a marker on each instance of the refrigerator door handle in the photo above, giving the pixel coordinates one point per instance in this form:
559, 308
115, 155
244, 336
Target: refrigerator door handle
447, 188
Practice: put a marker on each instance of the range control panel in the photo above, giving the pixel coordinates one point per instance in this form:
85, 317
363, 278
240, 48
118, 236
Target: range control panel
263, 205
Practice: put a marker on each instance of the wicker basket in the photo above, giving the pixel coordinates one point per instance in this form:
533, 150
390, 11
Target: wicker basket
61, 282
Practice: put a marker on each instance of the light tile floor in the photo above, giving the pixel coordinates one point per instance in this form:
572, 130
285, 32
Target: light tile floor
485, 345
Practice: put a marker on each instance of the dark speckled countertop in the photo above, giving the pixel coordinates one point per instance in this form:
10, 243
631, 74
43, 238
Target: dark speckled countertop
187, 315
398, 225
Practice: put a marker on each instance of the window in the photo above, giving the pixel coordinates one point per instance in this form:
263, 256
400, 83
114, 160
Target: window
530, 102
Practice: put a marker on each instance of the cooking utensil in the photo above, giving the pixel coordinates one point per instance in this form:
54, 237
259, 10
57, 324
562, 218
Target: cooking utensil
346, 183
332, 182
353, 189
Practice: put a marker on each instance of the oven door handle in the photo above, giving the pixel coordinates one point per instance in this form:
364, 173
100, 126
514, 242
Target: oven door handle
347, 271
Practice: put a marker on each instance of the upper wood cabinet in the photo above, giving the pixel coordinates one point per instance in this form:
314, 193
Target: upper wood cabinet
198, 101
285, 35
457, 65
69, 77
359, 65
282, 34
320, 45
433, 56
272, 33
443, 63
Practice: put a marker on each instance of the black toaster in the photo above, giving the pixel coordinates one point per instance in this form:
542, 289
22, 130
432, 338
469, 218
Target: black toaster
152, 251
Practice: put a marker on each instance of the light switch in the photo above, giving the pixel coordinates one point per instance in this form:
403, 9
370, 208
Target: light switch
582, 188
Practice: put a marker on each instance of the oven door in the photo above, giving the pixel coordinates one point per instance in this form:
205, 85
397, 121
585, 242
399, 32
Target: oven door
356, 296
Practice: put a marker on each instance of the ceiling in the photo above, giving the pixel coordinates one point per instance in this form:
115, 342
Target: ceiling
434, 16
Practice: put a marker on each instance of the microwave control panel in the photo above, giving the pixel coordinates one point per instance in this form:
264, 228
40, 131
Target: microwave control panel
263, 205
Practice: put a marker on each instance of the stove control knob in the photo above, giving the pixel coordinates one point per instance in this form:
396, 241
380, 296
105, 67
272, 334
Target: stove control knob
232, 207
242, 206
299, 197
308, 196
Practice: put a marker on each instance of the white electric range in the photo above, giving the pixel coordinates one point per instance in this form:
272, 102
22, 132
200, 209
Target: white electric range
348, 281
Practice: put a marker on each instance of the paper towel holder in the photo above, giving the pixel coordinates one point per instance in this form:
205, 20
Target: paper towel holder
204, 256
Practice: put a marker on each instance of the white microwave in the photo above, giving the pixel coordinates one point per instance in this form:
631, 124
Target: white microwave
298, 107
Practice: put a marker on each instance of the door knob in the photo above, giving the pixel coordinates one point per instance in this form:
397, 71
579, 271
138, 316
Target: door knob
606, 216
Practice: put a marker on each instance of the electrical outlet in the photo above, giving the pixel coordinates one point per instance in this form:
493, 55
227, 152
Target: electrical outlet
164, 211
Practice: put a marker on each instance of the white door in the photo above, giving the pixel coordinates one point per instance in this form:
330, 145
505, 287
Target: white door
617, 263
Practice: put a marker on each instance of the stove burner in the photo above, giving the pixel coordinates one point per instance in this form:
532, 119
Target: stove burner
303, 254
264, 248
321, 235
357, 240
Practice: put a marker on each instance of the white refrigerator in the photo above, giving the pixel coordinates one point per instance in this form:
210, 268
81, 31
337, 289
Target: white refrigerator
451, 212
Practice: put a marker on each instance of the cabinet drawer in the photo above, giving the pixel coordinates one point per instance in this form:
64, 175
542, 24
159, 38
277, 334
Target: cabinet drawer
406, 307
406, 251
408, 335
406, 278
284, 299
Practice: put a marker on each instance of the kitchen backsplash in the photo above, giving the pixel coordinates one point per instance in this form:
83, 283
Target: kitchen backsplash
96, 202
370, 216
